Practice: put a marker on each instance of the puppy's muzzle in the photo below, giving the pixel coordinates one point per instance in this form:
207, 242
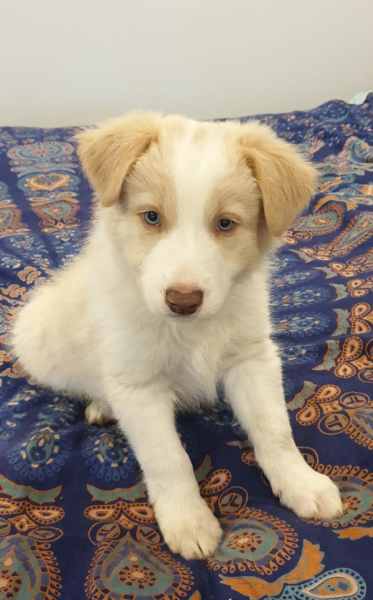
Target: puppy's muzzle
183, 300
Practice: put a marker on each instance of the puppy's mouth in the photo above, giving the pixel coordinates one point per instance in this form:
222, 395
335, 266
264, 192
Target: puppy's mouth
183, 311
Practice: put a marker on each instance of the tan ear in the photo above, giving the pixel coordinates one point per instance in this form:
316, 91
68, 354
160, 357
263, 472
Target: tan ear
284, 177
108, 152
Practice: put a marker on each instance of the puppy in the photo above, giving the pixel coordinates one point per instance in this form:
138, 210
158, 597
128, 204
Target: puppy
169, 297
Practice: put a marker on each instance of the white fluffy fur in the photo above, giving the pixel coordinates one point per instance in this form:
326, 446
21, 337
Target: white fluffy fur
101, 327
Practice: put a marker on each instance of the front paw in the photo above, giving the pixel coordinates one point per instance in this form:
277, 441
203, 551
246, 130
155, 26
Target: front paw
189, 528
310, 495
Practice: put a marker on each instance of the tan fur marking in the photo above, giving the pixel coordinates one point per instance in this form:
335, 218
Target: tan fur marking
109, 152
236, 197
236, 194
150, 188
285, 179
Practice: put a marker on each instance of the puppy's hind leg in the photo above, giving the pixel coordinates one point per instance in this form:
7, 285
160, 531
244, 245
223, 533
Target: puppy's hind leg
98, 412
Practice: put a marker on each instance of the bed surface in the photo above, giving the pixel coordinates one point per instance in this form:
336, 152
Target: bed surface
74, 518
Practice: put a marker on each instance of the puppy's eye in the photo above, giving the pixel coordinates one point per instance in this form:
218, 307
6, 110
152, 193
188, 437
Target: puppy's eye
151, 217
225, 225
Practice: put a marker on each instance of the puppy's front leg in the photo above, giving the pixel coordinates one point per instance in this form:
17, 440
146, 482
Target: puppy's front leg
146, 415
254, 389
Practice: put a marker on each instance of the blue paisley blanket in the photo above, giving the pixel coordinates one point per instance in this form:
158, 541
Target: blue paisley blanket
74, 518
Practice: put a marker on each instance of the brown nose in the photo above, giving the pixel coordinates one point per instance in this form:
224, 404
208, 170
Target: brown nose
184, 300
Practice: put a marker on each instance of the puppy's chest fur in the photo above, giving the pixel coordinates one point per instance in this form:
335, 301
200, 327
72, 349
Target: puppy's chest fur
193, 357
193, 363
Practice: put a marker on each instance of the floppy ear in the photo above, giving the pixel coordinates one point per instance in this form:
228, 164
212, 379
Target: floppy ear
108, 152
284, 177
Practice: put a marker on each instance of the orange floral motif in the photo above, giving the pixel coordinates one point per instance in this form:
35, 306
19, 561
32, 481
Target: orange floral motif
29, 275
309, 564
11, 220
361, 318
56, 213
335, 412
351, 268
349, 358
12, 297
360, 287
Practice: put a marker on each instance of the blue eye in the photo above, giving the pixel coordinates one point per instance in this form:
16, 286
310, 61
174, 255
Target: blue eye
225, 225
151, 217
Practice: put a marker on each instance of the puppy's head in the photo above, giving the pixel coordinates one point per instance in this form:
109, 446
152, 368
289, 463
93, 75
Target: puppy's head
192, 206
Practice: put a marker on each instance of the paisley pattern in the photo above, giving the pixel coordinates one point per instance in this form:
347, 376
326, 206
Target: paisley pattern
28, 565
254, 541
298, 584
342, 584
324, 221
355, 266
130, 560
335, 413
108, 455
358, 231
75, 521
360, 287
46, 176
301, 295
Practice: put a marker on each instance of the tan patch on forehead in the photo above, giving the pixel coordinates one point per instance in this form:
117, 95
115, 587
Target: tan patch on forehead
150, 186
236, 197
237, 193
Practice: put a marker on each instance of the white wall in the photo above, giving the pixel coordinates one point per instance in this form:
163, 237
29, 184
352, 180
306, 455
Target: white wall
76, 61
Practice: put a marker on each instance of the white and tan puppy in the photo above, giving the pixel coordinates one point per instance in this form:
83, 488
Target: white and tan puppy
169, 298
